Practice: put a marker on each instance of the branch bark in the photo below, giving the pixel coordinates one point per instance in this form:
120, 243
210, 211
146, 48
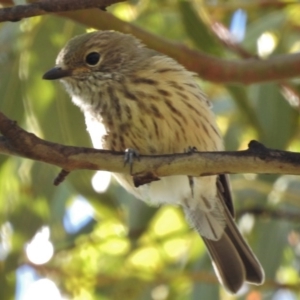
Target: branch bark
19, 12
257, 159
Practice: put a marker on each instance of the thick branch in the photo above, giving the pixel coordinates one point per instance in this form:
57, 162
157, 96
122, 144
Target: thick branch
257, 159
18, 12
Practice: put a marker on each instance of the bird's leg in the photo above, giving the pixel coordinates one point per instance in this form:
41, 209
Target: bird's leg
141, 179
191, 150
191, 183
129, 156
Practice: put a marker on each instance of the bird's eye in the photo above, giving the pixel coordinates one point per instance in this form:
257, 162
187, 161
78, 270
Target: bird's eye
92, 58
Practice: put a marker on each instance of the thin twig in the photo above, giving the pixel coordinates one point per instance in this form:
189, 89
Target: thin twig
267, 213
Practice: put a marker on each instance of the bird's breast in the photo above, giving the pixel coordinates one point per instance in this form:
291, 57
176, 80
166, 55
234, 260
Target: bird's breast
155, 114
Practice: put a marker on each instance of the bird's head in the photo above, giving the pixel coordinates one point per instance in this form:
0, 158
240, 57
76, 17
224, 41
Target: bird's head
100, 53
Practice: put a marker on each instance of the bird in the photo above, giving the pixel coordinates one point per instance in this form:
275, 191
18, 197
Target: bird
134, 97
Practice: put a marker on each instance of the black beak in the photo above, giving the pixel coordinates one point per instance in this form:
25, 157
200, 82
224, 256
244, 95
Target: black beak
57, 73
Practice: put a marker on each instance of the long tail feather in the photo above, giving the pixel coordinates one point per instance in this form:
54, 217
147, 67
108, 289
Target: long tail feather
233, 260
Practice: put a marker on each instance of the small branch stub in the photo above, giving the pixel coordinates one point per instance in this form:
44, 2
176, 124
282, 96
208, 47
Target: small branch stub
61, 177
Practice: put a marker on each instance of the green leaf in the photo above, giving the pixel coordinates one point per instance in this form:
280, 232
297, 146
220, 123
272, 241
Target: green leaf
244, 105
271, 237
198, 30
279, 121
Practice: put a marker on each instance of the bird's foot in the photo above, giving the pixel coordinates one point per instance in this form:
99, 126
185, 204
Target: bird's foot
191, 150
130, 155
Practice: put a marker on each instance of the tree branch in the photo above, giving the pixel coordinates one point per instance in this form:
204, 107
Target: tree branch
247, 71
270, 213
257, 159
18, 12
208, 67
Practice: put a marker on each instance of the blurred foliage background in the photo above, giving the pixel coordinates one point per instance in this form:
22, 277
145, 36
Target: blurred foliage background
104, 244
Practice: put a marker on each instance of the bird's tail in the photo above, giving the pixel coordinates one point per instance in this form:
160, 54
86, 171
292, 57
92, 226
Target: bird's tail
233, 260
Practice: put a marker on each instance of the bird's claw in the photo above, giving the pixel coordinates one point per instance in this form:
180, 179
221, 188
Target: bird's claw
190, 150
129, 156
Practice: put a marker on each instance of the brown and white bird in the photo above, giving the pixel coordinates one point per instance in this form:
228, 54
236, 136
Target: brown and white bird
133, 97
